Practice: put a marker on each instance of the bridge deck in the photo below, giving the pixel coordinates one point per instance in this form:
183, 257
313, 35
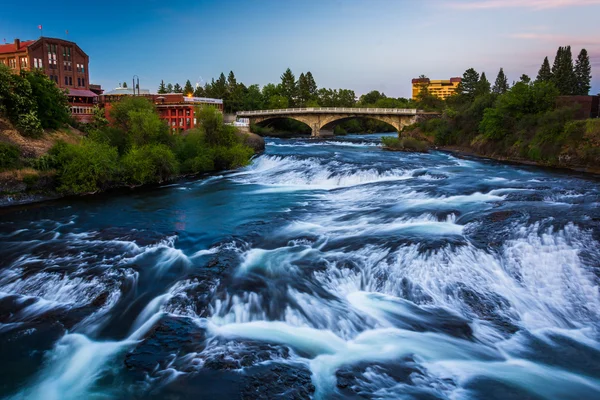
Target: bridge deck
329, 110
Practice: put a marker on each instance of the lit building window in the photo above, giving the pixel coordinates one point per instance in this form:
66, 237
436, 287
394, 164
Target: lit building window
23, 61
12, 63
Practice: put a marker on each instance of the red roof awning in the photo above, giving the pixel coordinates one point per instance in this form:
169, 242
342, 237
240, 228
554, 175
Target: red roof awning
82, 93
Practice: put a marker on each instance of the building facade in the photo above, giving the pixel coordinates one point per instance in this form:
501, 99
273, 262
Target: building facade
63, 62
441, 88
176, 109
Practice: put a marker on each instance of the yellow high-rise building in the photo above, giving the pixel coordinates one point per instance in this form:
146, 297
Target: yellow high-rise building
441, 88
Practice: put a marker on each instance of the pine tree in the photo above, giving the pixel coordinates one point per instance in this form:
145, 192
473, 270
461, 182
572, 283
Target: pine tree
289, 87
219, 87
169, 88
188, 89
501, 84
468, 85
177, 88
545, 73
583, 73
312, 86
303, 90
483, 86
525, 79
231, 82
162, 89
124, 85
563, 74
199, 91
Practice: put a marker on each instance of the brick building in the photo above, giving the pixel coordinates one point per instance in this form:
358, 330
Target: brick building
63, 62
178, 110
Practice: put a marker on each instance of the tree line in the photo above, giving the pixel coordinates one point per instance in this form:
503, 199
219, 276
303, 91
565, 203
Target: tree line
288, 92
522, 120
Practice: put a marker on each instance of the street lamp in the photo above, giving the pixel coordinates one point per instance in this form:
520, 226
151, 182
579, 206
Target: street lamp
138, 84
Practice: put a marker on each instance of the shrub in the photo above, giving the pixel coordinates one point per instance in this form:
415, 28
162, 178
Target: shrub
152, 163
85, 168
404, 144
9, 156
30, 125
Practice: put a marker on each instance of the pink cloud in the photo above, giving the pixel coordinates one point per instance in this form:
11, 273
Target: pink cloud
534, 4
562, 40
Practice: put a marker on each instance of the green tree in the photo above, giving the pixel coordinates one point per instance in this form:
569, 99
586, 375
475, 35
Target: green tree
124, 85
199, 91
467, 87
253, 99
277, 102
501, 84
188, 89
483, 86
563, 74
162, 89
219, 87
371, 98
52, 102
177, 88
231, 82
151, 163
289, 87
303, 90
545, 73
17, 102
169, 88
525, 79
312, 86
583, 73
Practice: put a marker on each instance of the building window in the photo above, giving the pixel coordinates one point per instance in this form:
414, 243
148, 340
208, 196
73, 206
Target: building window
23, 61
66, 80
12, 63
78, 81
67, 53
82, 81
68, 66
37, 63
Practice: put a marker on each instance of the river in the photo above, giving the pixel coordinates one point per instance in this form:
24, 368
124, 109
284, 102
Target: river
325, 269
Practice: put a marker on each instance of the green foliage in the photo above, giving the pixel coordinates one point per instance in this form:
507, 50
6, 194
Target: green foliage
84, 168
114, 137
483, 86
467, 88
404, 144
52, 103
563, 73
162, 89
583, 73
188, 89
545, 73
29, 125
501, 84
289, 87
9, 156
150, 163
177, 88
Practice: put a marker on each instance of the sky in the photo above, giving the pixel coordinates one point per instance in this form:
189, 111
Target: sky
353, 44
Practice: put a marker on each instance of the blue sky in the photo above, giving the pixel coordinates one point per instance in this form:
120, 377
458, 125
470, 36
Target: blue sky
359, 45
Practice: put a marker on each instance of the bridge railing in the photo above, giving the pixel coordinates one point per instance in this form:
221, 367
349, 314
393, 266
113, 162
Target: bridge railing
345, 110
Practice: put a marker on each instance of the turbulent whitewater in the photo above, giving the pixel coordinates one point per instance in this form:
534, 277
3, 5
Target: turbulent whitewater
325, 269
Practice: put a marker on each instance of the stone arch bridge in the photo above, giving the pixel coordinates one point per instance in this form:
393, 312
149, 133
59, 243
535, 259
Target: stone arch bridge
322, 120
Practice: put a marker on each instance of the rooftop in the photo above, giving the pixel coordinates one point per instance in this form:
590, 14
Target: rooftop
12, 47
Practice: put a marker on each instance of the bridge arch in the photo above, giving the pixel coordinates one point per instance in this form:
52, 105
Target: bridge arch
328, 124
306, 120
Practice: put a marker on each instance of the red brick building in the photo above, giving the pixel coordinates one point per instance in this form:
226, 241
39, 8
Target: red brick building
63, 62
178, 110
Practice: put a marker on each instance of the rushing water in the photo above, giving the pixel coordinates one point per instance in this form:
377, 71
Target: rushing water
326, 269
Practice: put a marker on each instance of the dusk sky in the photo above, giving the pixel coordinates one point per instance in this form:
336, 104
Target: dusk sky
359, 45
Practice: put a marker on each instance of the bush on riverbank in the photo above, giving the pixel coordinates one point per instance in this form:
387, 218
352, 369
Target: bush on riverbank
404, 144
138, 149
